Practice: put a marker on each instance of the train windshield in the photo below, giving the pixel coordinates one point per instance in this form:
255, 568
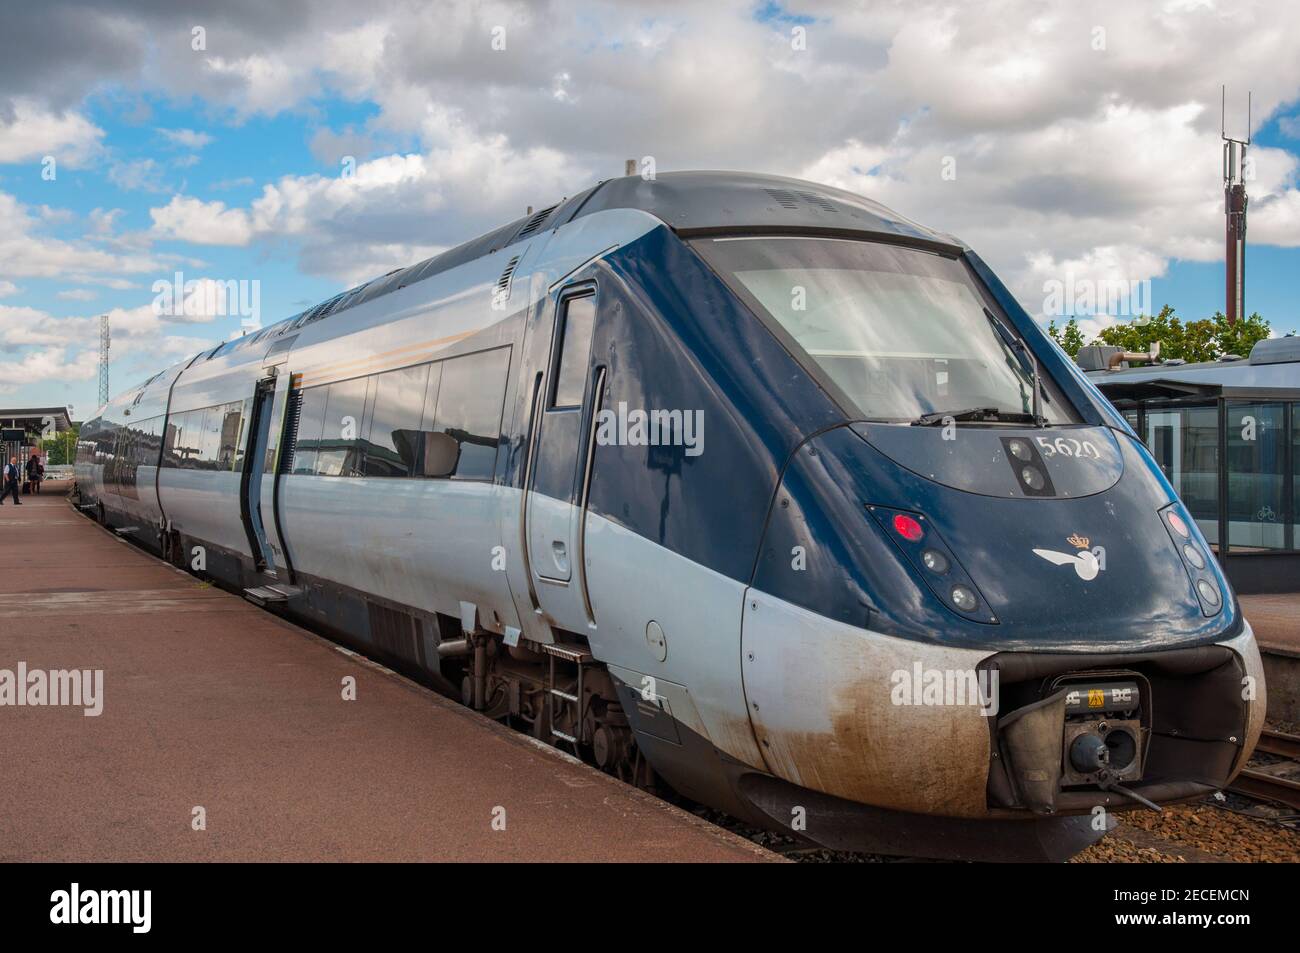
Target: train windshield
902, 333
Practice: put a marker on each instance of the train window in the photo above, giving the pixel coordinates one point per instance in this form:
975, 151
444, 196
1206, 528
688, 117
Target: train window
152, 444
394, 433
578, 318
209, 439
470, 400
341, 444
431, 393
171, 440
183, 441
310, 423
241, 446
230, 420
900, 332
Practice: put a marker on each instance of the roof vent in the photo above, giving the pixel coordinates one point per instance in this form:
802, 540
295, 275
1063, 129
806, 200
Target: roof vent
785, 198
534, 223
814, 199
502, 291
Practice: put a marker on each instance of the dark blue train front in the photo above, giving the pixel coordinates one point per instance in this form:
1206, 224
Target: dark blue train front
975, 617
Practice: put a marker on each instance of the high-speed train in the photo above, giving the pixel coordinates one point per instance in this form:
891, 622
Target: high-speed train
736, 485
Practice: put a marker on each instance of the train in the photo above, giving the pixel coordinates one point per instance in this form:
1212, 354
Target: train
742, 488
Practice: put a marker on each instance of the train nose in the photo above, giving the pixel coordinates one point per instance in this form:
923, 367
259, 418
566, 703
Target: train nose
1067, 530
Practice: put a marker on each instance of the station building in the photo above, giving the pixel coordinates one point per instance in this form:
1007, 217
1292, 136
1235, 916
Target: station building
22, 428
1226, 434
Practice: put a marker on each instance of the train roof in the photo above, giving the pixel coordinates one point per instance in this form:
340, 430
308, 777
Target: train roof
691, 203
703, 203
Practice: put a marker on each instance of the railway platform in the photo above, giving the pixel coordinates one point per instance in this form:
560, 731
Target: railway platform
225, 733
1275, 618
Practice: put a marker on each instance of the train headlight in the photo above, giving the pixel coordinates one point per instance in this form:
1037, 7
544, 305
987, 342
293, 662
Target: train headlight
1033, 477
1020, 450
934, 561
1199, 573
964, 599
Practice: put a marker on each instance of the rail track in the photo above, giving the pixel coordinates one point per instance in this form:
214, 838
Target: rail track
1279, 779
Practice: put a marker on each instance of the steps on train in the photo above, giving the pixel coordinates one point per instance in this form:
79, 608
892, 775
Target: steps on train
577, 658
271, 596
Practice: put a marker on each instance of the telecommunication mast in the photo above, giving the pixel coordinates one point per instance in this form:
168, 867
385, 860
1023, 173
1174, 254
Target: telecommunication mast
1234, 206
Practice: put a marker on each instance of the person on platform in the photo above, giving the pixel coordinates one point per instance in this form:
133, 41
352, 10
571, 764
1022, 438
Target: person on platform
11, 473
34, 471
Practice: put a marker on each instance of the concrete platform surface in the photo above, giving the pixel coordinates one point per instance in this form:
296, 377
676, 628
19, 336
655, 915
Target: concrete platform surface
1275, 617
213, 709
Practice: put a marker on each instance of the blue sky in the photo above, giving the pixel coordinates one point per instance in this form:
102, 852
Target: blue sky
1083, 144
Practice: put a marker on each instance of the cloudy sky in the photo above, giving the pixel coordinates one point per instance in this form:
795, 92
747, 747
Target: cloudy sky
309, 146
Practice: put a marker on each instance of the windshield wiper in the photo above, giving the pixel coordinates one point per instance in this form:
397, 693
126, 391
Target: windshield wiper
973, 413
1029, 362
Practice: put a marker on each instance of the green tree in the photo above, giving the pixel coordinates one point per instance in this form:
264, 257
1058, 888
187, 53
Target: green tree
1071, 339
61, 448
1193, 341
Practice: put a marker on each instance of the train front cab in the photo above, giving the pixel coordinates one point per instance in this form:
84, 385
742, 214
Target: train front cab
1036, 556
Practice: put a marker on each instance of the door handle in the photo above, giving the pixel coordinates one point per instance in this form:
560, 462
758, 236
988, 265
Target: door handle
560, 553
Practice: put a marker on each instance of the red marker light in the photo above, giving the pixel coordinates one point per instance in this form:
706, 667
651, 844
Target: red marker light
1179, 526
908, 528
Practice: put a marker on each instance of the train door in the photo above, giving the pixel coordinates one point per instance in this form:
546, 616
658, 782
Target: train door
250, 505
559, 475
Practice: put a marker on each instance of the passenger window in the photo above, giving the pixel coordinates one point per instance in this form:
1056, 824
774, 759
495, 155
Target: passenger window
171, 440
398, 407
574, 333
341, 439
187, 438
242, 447
210, 442
471, 396
310, 421
422, 463
231, 417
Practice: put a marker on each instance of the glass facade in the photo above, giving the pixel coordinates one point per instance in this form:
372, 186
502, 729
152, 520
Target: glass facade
1250, 447
1185, 443
1295, 477
1257, 475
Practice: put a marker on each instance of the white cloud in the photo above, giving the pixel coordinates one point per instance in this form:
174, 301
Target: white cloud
52, 363
78, 294
186, 138
145, 175
32, 132
205, 223
24, 252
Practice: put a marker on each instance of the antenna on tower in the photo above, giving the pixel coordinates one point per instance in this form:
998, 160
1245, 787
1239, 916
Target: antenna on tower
103, 359
1234, 208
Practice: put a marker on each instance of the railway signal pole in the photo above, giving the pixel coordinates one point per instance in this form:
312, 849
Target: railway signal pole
1234, 207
